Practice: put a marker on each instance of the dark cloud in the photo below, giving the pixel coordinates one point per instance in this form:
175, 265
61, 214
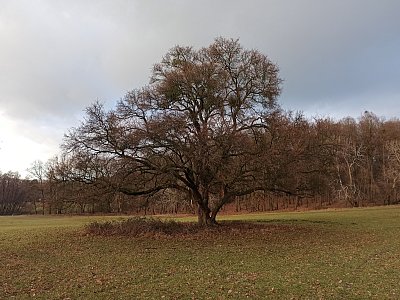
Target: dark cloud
337, 57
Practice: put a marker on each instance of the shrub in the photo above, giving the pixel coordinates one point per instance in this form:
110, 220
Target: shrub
140, 226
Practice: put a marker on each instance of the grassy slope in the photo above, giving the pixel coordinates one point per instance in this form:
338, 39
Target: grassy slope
345, 254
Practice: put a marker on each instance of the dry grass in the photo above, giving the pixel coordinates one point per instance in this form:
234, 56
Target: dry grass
344, 254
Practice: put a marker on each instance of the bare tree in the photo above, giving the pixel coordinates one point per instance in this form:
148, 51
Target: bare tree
349, 157
38, 173
13, 194
392, 172
196, 128
370, 133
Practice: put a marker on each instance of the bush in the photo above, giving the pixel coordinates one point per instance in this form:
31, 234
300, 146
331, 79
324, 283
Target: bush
140, 226
143, 227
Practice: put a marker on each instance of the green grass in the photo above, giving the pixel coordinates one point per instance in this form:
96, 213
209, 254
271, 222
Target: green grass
343, 254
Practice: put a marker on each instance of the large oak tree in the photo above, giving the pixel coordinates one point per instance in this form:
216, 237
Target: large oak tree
198, 127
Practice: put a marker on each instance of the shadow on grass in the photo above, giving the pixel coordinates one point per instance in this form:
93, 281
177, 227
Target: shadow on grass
299, 221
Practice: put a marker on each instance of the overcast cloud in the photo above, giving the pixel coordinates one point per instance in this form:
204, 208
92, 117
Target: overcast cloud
337, 57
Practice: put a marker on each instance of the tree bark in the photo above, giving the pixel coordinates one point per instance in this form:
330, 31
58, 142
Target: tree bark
214, 216
204, 216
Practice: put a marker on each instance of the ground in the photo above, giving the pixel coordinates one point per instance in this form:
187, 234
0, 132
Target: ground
331, 254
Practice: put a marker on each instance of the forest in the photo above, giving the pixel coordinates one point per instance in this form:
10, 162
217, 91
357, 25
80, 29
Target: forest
320, 162
208, 135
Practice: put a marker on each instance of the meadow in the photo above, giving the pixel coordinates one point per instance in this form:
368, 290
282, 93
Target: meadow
330, 254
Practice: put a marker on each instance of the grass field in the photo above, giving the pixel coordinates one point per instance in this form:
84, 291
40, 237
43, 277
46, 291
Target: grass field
343, 254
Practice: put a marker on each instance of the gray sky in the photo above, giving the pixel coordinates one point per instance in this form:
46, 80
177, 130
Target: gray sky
337, 57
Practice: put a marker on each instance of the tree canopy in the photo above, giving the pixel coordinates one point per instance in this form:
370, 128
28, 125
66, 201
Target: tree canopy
198, 127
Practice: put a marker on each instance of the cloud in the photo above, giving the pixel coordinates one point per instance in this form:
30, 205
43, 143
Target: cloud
59, 56
18, 151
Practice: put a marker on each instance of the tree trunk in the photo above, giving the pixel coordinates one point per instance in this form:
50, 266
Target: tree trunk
214, 217
35, 206
218, 207
204, 217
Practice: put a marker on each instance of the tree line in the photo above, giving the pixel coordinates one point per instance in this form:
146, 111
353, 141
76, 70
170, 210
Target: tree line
312, 163
207, 133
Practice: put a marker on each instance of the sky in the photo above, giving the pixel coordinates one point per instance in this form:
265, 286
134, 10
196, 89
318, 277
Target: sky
337, 58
